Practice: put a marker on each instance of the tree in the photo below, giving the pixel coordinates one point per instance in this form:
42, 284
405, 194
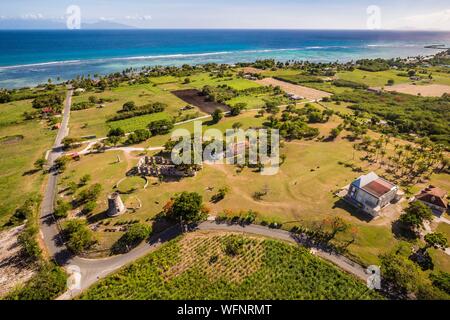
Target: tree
61, 163
93, 99
216, 116
160, 127
222, 192
441, 280
390, 82
415, 215
436, 240
116, 132
39, 163
80, 237
138, 136
62, 209
84, 180
47, 284
70, 143
90, 194
335, 132
135, 234
400, 272
129, 106
89, 207
237, 125
237, 108
187, 208
5, 97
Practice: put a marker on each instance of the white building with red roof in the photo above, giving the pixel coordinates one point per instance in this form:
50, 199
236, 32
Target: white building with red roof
435, 198
372, 193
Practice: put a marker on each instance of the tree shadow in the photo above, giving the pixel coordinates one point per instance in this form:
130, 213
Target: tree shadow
97, 217
401, 232
30, 172
357, 213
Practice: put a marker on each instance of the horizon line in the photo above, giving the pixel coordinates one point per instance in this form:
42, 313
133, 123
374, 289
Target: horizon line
132, 28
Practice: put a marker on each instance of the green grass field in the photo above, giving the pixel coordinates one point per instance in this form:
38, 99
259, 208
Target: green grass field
198, 81
135, 123
373, 79
93, 121
196, 267
28, 142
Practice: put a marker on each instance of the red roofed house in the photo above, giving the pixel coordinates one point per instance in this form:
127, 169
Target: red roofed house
435, 198
372, 193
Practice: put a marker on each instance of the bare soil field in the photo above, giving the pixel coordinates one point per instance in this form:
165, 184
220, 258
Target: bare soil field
431, 90
14, 267
308, 93
252, 70
194, 97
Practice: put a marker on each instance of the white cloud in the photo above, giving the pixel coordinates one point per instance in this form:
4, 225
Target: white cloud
137, 17
106, 19
434, 21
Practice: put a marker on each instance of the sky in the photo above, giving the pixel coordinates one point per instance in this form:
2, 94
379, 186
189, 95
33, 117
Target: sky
283, 14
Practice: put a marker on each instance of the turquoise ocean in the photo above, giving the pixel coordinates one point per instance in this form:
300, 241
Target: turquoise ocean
28, 58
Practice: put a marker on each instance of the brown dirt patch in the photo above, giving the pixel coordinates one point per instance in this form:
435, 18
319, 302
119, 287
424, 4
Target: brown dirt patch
252, 70
194, 97
11, 139
308, 93
431, 90
15, 269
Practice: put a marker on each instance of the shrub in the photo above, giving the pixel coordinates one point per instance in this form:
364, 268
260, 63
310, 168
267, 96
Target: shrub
47, 284
80, 237
62, 209
160, 127
135, 234
233, 245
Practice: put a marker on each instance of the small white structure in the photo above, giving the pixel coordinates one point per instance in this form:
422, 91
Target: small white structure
115, 205
372, 193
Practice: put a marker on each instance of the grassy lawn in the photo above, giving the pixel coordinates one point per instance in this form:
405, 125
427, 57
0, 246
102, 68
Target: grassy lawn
130, 184
342, 108
11, 113
198, 81
301, 193
196, 267
93, 121
29, 141
141, 122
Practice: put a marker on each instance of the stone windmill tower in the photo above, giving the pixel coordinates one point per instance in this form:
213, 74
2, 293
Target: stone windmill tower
115, 205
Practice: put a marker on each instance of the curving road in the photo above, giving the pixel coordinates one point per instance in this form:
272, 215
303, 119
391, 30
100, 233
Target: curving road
85, 272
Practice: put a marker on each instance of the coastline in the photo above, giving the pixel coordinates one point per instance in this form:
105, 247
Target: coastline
64, 55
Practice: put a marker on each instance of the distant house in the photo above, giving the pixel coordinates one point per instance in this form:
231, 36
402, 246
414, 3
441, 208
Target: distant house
372, 193
435, 198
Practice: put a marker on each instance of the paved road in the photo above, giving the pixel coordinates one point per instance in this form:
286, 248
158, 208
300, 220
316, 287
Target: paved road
85, 272
48, 228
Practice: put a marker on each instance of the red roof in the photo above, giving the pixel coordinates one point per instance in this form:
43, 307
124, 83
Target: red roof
378, 187
435, 196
